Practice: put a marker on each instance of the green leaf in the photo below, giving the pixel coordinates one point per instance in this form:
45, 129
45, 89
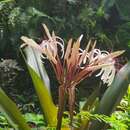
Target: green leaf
91, 99
40, 81
34, 61
113, 95
37, 119
10, 110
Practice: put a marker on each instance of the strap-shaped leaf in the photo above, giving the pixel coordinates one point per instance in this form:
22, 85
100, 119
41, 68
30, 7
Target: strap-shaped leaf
41, 83
113, 95
10, 110
34, 61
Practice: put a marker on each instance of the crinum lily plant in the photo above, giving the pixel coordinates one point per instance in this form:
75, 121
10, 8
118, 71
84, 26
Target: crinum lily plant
73, 65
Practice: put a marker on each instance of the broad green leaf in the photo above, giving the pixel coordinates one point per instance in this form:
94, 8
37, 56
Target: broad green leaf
113, 95
40, 81
11, 112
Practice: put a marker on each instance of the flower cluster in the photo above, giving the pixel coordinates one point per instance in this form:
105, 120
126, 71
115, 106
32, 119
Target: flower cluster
77, 63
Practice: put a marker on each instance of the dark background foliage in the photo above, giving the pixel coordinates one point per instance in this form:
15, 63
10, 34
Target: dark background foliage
107, 21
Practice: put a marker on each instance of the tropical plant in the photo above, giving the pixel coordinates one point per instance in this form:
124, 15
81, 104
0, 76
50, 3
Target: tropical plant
75, 59
98, 19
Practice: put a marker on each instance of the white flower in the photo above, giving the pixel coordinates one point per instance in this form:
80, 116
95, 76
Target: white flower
107, 73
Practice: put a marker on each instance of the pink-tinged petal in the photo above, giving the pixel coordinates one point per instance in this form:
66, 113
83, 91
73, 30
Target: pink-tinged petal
68, 50
83, 58
74, 57
75, 52
57, 41
85, 55
50, 56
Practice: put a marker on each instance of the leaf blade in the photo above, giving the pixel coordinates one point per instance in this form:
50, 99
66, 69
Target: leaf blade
41, 82
10, 110
113, 95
